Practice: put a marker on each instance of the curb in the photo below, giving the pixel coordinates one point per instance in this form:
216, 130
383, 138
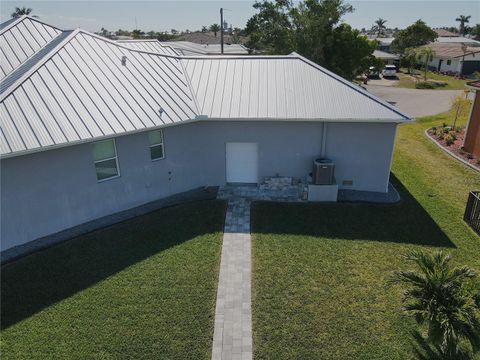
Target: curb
464, 162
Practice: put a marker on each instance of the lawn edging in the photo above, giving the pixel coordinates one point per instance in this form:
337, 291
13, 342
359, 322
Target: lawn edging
449, 152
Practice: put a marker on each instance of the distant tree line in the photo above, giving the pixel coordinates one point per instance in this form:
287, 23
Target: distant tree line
312, 28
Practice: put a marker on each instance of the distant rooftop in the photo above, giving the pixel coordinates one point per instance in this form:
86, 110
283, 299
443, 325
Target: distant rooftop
452, 50
445, 33
384, 55
458, 39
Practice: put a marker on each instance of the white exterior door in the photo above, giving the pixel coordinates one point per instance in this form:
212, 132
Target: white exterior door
242, 162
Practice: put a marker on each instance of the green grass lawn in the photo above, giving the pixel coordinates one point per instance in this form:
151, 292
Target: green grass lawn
141, 289
406, 81
319, 269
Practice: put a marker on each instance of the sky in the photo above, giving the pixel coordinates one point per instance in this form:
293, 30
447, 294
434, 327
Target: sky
160, 15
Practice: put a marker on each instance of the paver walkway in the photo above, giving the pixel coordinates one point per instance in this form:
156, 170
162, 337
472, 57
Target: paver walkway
232, 338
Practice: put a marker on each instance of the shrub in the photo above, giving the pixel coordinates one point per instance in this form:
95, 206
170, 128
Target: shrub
449, 139
445, 299
425, 85
434, 130
440, 136
476, 75
446, 129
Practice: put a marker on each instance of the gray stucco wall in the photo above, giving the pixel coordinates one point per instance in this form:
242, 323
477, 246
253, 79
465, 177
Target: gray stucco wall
50, 191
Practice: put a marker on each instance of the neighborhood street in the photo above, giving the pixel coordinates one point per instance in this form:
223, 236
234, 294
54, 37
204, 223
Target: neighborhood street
414, 102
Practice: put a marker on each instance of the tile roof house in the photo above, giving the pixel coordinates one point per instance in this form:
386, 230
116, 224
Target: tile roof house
91, 127
445, 33
455, 58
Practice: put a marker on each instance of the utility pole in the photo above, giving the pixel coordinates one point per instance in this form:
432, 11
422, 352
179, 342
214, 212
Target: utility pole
221, 30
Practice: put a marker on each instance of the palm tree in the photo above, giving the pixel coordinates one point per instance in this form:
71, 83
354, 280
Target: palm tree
215, 28
444, 299
379, 26
463, 20
204, 29
409, 57
428, 53
22, 11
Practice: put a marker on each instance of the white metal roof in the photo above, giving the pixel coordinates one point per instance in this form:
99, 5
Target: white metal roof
149, 45
75, 89
81, 91
385, 55
20, 39
189, 48
280, 87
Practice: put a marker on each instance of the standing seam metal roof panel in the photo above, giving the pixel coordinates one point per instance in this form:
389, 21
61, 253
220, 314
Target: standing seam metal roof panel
80, 91
307, 91
149, 45
21, 39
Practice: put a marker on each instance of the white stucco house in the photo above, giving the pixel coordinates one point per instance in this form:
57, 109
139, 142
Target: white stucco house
91, 127
455, 58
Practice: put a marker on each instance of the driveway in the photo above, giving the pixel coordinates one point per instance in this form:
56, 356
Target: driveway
414, 102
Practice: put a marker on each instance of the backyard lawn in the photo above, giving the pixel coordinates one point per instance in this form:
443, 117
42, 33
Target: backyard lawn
406, 81
319, 270
144, 288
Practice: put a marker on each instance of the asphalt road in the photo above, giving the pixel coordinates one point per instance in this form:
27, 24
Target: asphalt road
414, 102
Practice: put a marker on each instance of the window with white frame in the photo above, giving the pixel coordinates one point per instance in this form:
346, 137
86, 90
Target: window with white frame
449, 62
105, 159
155, 139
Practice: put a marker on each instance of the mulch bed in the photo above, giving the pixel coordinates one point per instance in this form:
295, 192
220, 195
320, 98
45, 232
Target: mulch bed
456, 147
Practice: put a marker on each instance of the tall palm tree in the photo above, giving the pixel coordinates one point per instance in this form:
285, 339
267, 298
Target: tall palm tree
215, 28
21, 11
428, 53
445, 299
380, 26
463, 20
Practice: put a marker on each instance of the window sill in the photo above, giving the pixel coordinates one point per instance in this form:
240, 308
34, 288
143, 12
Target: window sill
107, 179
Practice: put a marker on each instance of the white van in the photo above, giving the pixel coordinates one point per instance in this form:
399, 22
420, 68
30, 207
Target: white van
390, 71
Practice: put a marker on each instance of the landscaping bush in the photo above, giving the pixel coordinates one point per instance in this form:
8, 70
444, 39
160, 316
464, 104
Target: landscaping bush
424, 85
430, 84
440, 136
450, 139
434, 130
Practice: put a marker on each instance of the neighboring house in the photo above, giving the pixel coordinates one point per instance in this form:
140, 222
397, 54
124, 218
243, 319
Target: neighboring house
384, 43
458, 40
471, 143
445, 33
91, 127
454, 58
388, 58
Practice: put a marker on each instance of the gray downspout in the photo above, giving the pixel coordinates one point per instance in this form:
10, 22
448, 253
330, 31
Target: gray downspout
324, 138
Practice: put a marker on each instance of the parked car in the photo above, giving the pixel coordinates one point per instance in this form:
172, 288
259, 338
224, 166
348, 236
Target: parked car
390, 71
373, 73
